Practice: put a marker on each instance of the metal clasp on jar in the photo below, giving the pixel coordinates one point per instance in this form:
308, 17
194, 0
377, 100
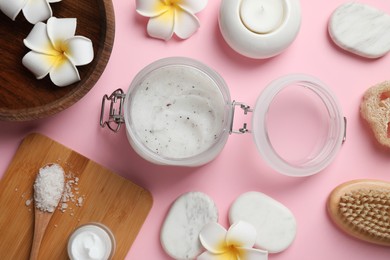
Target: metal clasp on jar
244, 129
115, 115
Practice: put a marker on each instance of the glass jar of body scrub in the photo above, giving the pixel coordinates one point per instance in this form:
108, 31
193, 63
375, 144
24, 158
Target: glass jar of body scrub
177, 111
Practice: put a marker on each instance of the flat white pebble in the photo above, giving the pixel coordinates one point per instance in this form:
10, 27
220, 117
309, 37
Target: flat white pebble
275, 224
361, 29
183, 223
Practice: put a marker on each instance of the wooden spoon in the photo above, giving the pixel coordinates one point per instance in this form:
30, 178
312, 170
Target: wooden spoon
42, 219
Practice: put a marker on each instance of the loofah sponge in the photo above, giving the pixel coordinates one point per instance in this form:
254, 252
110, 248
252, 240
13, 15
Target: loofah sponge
361, 208
375, 109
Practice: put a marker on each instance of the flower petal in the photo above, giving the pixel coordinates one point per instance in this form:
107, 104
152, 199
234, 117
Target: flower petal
192, 6
161, 27
212, 236
151, 8
60, 29
241, 234
53, 1
12, 8
37, 40
186, 24
37, 11
39, 64
79, 50
210, 256
64, 73
252, 254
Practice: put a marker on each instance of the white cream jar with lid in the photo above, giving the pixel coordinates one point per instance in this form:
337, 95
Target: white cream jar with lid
92, 241
178, 103
259, 29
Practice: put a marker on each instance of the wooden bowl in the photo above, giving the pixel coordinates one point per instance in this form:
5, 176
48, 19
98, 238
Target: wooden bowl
22, 96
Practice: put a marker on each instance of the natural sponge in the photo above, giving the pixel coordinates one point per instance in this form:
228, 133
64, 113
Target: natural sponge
375, 109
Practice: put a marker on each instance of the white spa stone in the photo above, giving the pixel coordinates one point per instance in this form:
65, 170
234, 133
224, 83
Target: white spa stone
274, 223
361, 29
183, 223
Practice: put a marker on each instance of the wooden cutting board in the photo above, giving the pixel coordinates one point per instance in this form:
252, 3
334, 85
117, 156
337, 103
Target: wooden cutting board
106, 198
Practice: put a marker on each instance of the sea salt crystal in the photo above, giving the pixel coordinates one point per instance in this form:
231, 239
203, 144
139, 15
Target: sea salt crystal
79, 201
71, 192
28, 202
64, 206
48, 187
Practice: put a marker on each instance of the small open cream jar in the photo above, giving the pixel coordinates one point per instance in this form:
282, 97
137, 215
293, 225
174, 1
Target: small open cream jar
259, 29
178, 111
91, 241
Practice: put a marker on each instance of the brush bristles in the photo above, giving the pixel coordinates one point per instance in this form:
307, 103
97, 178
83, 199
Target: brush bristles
368, 211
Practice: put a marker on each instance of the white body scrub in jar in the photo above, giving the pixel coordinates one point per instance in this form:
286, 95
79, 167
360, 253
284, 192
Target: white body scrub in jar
176, 112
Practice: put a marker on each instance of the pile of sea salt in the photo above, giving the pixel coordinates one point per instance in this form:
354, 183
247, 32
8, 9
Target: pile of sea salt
48, 187
70, 195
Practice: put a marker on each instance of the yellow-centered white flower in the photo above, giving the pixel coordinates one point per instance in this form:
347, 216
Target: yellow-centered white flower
55, 50
171, 16
34, 10
235, 244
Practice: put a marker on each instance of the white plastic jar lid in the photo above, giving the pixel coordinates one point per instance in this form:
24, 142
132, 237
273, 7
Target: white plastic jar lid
318, 97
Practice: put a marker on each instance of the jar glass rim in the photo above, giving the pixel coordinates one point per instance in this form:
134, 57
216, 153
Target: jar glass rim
333, 140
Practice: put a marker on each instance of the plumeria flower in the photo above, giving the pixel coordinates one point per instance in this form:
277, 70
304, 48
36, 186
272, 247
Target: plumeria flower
34, 10
171, 16
55, 50
235, 244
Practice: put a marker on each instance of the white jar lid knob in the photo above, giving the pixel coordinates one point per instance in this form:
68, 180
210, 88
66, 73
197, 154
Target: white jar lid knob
262, 16
259, 29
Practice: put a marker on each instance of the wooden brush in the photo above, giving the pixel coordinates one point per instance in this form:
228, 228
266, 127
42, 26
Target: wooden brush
361, 208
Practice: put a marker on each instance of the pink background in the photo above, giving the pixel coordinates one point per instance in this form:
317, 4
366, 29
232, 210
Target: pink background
239, 168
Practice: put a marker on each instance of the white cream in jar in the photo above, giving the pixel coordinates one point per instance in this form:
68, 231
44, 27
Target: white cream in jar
91, 242
177, 113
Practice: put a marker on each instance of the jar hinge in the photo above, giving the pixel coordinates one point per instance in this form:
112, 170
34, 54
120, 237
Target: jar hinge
115, 116
244, 129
